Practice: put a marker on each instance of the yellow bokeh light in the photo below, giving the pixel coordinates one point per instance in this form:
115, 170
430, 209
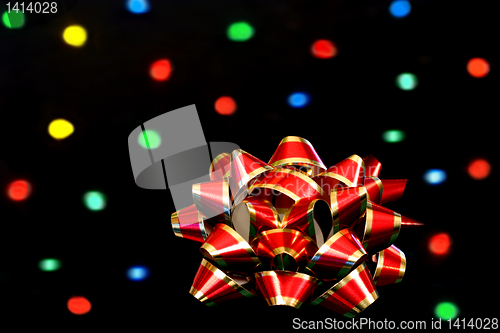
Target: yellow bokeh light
60, 129
75, 35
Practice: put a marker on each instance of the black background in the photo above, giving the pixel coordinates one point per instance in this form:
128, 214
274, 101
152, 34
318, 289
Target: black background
104, 89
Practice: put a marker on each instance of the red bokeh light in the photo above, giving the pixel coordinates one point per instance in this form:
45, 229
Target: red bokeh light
160, 70
478, 67
79, 305
225, 105
479, 169
439, 243
19, 190
324, 49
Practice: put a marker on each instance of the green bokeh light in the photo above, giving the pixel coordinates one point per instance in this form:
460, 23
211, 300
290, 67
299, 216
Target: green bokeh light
240, 31
94, 200
393, 136
406, 81
13, 20
446, 310
149, 139
49, 265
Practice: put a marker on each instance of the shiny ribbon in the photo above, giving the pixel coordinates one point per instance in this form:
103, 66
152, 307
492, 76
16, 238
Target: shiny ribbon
294, 231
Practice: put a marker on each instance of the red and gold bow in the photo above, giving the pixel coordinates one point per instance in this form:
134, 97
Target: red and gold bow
281, 229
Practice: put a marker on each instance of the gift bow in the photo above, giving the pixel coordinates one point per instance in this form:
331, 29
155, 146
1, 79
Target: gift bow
283, 229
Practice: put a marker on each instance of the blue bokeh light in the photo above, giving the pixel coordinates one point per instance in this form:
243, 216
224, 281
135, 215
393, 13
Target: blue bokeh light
435, 176
138, 6
400, 8
137, 273
298, 100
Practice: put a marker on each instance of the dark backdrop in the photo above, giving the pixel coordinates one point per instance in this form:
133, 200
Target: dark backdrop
104, 89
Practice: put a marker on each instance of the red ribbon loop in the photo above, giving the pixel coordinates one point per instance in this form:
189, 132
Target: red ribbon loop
285, 288
351, 295
229, 250
189, 223
297, 151
391, 266
272, 243
338, 255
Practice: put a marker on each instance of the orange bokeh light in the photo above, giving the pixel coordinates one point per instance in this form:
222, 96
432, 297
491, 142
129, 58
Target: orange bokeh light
478, 67
439, 243
19, 190
225, 105
160, 70
479, 169
324, 49
79, 305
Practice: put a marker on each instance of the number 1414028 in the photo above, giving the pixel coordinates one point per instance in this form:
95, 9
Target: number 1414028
32, 7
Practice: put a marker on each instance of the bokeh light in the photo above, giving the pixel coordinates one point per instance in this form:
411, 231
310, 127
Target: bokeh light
435, 176
225, 105
323, 49
400, 8
479, 169
60, 129
240, 32
137, 273
138, 6
49, 264
439, 244
79, 305
149, 139
406, 81
478, 67
19, 190
75, 35
160, 70
393, 135
13, 20
94, 200
298, 100
446, 310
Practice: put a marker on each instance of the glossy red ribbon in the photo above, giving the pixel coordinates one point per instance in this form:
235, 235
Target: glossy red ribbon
281, 229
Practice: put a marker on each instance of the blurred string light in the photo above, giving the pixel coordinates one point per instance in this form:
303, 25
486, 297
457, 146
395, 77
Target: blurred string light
400, 8
13, 20
439, 244
137, 273
60, 129
446, 310
160, 70
393, 135
406, 81
225, 105
79, 305
479, 169
478, 67
138, 6
435, 176
75, 35
49, 265
149, 139
298, 100
240, 32
323, 49
19, 190
94, 200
